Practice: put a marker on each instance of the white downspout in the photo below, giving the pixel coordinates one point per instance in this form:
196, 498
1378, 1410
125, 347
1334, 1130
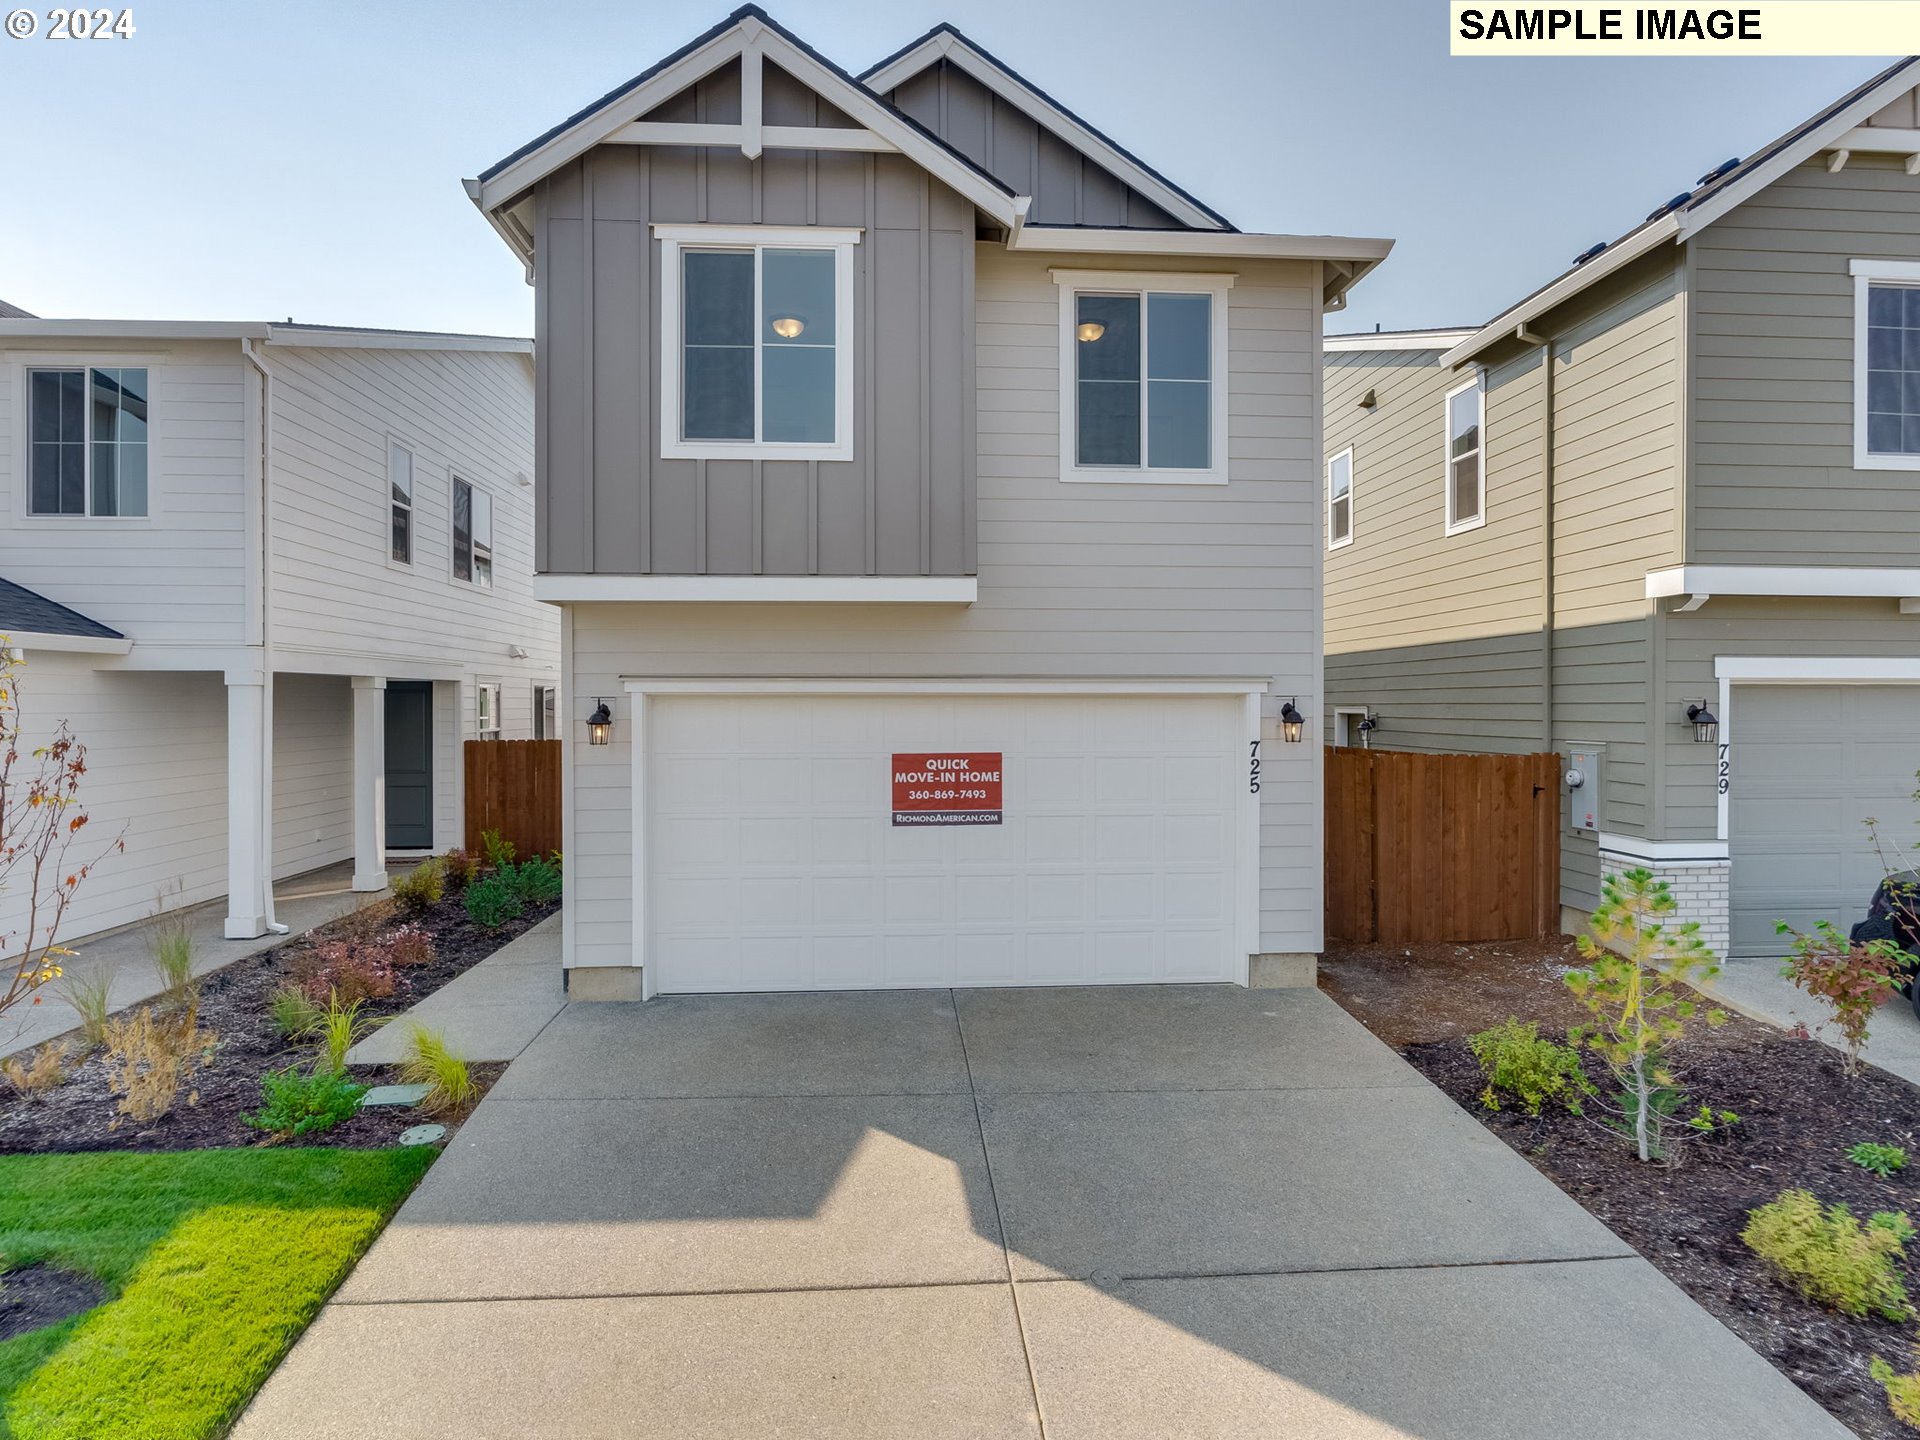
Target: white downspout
266, 626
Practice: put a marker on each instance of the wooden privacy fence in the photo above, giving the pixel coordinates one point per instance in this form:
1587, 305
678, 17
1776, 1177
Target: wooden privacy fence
513, 786
1442, 847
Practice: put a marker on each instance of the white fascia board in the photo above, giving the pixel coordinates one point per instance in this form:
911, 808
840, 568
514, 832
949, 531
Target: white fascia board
867, 685
1663, 852
1221, 244
759, 589
324, 338
858, 103
1817, 670
1049, 116
1879, 140
1800, 581
31, 640
1403, 340
1615, 257
133, 330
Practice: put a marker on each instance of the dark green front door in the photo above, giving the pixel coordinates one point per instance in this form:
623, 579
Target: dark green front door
409, 765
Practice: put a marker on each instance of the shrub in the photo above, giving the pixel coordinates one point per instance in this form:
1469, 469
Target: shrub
409, 946
1517, 1062
46, 1070
171, 944
498, 850
1882, 1160
1903, 1391
339, 968
494, 901
89, 995
151, 1054
536, 881
298, 1104
1637, 999
451, 1087
1851, 981
460, 868
1829, 1256
422, 887
295, 1015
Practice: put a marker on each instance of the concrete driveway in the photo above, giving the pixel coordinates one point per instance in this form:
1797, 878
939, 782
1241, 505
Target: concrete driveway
1113, 1213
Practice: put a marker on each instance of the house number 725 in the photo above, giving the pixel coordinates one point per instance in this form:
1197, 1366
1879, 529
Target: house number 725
1253, 772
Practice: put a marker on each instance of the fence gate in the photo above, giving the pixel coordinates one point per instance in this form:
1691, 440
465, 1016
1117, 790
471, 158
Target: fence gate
513, 786
1442, 847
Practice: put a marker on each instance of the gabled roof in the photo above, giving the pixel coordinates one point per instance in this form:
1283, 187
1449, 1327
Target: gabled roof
28, 615
1713, 196
13, 312
944, 42
1395, 340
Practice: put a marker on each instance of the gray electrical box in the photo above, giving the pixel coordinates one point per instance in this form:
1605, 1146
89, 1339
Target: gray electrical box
1582, 778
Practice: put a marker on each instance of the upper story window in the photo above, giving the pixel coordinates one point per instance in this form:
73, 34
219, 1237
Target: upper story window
1143, 366
1340, 499
400, 489
472, 533
1886, 365
1466, 456
756, 354
88, 441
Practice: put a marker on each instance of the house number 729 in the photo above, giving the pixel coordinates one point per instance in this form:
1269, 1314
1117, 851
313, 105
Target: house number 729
1253, 772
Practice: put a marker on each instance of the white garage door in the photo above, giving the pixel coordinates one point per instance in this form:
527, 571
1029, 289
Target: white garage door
1811, 764
775, 863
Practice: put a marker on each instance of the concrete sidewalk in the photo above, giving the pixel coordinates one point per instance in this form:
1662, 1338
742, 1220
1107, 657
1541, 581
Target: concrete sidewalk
1757, 989
492, 1012
300, 903
1118, 1214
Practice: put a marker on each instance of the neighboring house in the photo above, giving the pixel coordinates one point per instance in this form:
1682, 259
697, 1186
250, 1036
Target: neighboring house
1680, 480
271, 575
900, 421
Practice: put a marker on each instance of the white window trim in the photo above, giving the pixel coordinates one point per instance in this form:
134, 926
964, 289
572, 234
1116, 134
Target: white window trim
1456, 526
673, 239
1340, 713
546, 695
481, 687
1333, 544
1865, 272
472, 578
1071, 283
394, 442
23, 448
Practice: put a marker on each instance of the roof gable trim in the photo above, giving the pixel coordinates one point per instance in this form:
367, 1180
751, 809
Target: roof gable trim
946, 43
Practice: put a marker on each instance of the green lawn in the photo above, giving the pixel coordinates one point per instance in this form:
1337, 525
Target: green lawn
216, 1260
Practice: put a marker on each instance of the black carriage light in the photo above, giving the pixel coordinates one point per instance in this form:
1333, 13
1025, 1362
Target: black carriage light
600, 724
1369, 723
1292, 722
1706, 725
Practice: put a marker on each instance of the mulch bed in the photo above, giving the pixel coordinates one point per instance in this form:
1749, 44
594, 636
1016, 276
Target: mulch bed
36, 1296
1799, 1113
81, 1113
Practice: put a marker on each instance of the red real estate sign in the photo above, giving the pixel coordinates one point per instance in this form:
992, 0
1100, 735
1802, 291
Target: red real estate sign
947, 788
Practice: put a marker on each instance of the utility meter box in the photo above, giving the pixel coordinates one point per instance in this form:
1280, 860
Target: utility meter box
1584, 765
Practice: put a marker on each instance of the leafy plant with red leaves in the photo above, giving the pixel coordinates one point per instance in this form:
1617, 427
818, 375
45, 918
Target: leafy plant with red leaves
341, 971
1851, 980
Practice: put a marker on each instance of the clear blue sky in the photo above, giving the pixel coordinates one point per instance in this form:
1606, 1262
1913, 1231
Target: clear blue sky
304, 157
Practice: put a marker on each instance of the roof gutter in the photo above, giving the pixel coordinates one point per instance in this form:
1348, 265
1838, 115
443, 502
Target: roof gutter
1503, 325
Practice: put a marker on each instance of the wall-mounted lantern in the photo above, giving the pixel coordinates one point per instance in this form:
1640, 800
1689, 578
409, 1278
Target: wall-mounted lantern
1369, 723
600, 725
1706, 725
1292, 723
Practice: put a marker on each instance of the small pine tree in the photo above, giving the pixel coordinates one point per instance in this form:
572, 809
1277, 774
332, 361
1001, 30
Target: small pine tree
1634, 987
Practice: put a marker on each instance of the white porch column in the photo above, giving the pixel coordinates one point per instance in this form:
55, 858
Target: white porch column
248, 887
369, 782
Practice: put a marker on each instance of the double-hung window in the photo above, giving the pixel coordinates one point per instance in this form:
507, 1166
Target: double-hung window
472, 534
1340, 499
756, 357
1466, 456
486, 709
1886, 365
87, 441
400, 492
1143, 368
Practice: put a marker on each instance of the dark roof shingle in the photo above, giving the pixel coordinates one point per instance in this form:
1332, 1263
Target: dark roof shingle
26, 612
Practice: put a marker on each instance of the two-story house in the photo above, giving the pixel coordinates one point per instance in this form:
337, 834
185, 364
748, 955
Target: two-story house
270, 575
929, 488
1661, 515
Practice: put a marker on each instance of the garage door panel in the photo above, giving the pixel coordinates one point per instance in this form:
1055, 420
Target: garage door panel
1811, 764
774, 864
